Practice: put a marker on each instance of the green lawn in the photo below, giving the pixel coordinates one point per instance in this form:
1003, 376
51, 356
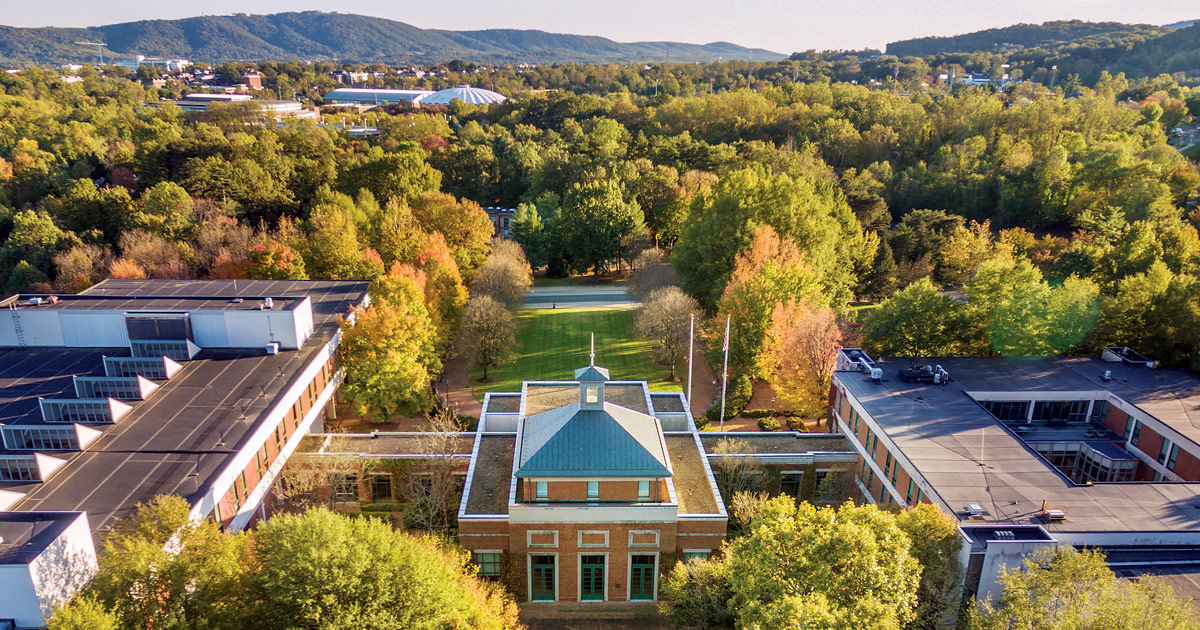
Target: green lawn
552, 343
1193, 153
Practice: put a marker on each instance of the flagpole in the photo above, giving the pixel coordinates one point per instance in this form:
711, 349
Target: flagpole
691, 352
725, 371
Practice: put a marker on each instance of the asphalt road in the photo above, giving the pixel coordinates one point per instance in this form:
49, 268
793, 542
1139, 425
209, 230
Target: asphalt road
580, 297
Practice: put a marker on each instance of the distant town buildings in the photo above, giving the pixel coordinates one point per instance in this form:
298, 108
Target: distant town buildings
359, 97
170, 65
273, 109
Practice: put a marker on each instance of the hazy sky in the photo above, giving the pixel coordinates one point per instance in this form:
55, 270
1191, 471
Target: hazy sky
779, 25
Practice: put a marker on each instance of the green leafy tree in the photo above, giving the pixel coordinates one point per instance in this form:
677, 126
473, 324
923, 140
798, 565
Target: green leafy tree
166, 210
395, 233
935, 545
324, 570
801, 209
401, 174
332, 250
916, 322
1075, 590
807, 567
1039, 320
85, 208
880, 281
528, 229
22, 277
388, 351
593, 223
83, 613
34, 238
161, 569
697, 593
996, 281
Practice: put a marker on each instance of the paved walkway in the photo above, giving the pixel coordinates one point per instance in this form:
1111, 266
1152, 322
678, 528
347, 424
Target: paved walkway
574, 296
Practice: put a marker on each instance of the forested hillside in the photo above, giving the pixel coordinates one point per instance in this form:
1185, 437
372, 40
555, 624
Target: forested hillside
320, 35
1048, 36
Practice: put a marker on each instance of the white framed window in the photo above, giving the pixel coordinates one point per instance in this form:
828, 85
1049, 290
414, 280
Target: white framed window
541, 490
593, 489
488, 562
644, 490
591, 394
696, 554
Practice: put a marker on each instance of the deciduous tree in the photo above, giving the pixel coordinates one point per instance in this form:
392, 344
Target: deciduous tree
665, 317
465, 226
275, 261
770, 271
388, 352
800, 354
488, 332
505, 276
916, 322
803, 566
1075, 590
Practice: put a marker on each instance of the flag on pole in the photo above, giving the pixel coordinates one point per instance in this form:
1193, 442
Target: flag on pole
725, 370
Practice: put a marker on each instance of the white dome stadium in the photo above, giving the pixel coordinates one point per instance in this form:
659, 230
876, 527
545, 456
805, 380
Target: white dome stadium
465, 93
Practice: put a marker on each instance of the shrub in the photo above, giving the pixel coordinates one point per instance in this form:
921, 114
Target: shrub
769, 424
740, 389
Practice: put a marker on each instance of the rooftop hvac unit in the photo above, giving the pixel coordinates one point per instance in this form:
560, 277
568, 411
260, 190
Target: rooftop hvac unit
974, 509
1107, 375
272, 348
268, 303
876, 374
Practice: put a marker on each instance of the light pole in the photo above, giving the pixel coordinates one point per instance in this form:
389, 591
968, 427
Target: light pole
99, 51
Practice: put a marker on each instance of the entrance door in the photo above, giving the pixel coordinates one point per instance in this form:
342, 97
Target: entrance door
591, 578
541, 583
642, 576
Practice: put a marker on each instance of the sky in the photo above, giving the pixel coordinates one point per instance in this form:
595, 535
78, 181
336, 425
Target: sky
779, 25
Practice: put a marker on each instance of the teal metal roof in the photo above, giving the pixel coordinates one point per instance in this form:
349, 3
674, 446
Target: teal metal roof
591, 373
609, 442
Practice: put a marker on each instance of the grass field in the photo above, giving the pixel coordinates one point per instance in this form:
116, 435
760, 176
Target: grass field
1193, 153
552, 343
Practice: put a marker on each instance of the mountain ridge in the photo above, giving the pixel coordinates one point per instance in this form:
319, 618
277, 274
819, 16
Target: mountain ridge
1030, 36
342, 36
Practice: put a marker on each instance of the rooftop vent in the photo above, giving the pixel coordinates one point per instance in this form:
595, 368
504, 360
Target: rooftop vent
1126, 355
925, 374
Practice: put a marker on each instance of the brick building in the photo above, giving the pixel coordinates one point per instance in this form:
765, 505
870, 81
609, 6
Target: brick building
1032, 452
588, 490
583, 490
